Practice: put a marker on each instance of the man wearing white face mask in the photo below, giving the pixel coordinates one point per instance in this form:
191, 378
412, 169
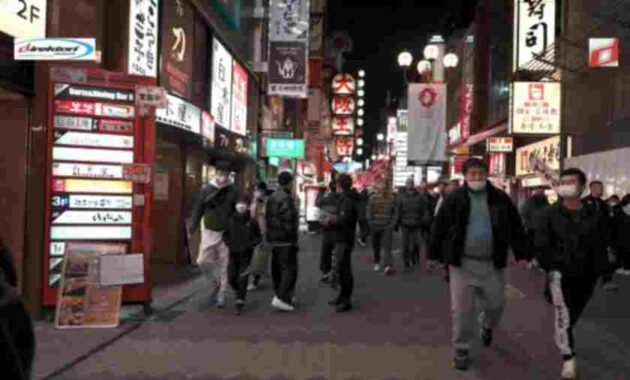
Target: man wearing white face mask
216, 205
473, 230
571, 241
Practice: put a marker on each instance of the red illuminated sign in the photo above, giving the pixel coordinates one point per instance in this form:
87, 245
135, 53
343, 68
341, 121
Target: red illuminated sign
117, 126
75, 107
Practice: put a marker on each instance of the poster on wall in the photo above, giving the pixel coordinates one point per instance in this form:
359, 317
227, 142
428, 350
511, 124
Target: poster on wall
239, 99
536, 108
143, 38
221, 98
177, 43
547, 152
82, 303
534, 30
289, 20
287, 69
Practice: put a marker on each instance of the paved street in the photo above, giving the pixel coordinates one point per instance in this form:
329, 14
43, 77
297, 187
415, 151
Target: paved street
400, 330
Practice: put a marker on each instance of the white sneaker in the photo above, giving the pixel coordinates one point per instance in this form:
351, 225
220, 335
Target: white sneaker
377, 267
568, 370
251, 287
282, 306
626, 272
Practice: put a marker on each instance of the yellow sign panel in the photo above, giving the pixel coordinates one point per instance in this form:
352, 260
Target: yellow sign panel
92, 186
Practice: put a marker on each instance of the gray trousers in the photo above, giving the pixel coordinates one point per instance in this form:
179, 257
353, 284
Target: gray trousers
468, 290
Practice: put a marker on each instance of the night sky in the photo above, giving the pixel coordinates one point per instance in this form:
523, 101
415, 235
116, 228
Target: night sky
380, 32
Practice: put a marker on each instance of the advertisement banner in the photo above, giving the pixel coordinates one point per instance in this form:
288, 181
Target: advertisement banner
221, 98
97, 140
500, 144
54, 49
536, 108
465, 110
239, 99
23, 19
427, 124
82, 302
546, 152
180, 114
177, 43
143, 38
534, 29
287, 69
289, 20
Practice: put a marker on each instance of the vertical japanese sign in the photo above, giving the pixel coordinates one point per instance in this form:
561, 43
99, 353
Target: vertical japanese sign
534, 29
239, 99
143, 37
427, 124
177, 43
220, 106
288, 48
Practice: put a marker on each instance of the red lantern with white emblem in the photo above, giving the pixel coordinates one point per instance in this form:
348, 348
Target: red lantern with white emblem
344, 84
343, 125
343, 105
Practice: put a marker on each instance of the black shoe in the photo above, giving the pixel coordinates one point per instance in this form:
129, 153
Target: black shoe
325, 279
486, 337
343, 307
240, 307
461, 362
334, 302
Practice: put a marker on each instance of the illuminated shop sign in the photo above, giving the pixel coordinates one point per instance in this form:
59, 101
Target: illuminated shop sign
90, 233
92, 155
536, 108
91, 186
108, 202
94, 109
77, 91
91, 217
54, 49
87, 170
500, 144
93, 139
534, 29
115, 126
75, 123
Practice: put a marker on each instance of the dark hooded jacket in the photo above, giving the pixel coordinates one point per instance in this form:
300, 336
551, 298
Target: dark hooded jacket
216, 206
451, 224
243, 233
532, 210
413, 209
282, 218
345, 224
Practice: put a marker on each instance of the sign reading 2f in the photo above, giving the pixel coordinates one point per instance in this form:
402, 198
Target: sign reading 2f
23, 18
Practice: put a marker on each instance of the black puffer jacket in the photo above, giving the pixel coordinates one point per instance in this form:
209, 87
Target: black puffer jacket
243, 233
216, 206
413, 209
344, 226
573, 243
449, 231
328, 203
282, 218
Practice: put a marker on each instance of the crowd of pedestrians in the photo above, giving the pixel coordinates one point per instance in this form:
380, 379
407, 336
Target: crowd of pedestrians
465, 230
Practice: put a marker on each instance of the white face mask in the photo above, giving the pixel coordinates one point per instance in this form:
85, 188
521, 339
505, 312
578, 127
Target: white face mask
241, 208
626, 209
567, 191
476, 185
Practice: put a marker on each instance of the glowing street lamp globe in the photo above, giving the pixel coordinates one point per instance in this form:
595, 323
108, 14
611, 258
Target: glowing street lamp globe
431, 52
451, 60
404, 59
424, 66
361, 73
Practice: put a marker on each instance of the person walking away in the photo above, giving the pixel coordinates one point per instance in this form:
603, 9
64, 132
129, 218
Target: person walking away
381, 212
214, 208
258, 212
328, 204
442, 192
345, 225
531, 212
412, 213
282, 221
573, 254
364, 226
242, 236
595, 201
17, 336
472, 233
620, 218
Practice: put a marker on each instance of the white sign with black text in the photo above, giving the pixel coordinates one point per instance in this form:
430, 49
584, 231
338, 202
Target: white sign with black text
536, 108
143, 37
180, 114
534, 29
91, 217
23, 18
221, 106
67, 169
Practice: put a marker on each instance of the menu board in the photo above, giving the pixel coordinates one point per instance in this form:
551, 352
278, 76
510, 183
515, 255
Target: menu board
82, 302
91, 197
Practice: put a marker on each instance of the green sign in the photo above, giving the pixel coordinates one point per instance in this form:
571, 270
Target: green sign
230, 12
285, 148
274, 161
253, 148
